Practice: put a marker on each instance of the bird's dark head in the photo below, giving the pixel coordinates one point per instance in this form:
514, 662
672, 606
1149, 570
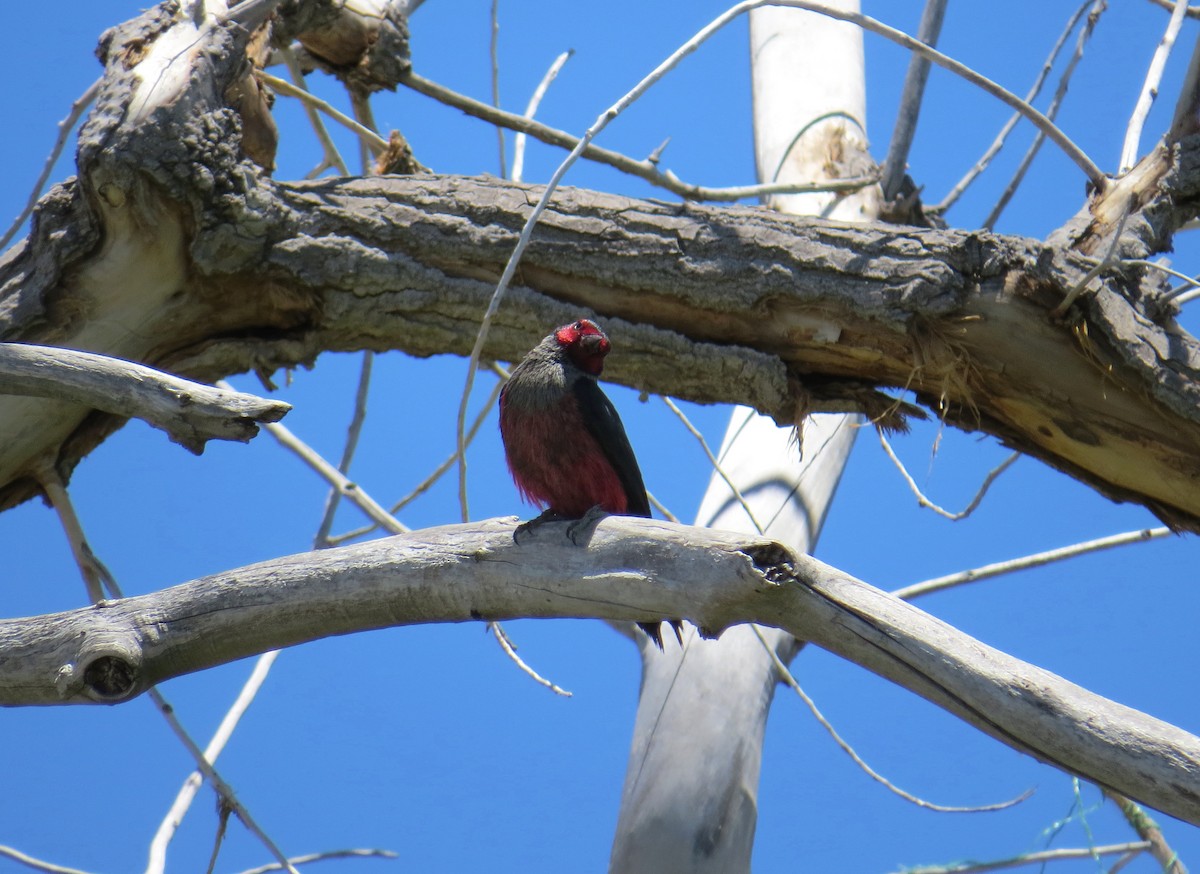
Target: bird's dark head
585, 344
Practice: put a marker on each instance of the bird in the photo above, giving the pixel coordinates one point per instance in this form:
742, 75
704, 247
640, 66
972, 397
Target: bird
564, 442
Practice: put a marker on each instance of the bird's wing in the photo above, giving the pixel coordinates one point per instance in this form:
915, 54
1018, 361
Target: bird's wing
602, 422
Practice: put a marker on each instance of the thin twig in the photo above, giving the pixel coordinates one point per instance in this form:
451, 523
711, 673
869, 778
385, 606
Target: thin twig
1137, 120
321, 857
321, 539
511, 651
925, 502
518, 167
647, 169
56, 492
430, 480
1107, 261
223, 789
37, 864
282, 86
351, 491
1148, 830
1036, 560
90, 565
187, 793
896, 162
494, 51
360, 102
1040, 121
1192, 11
333, 158
661, 507
64, 131
381, 516
223, 811
1060, 93
791, 682
1173, 294
712, 459
997, 144
1039, 857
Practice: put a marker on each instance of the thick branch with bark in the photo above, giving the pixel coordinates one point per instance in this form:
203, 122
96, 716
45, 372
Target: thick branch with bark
236, 272
785, 314
460, 573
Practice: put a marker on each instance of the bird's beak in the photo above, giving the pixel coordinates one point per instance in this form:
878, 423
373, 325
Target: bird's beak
594, 344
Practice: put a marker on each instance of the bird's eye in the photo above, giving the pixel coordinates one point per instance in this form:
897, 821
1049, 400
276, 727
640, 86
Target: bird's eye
578, 326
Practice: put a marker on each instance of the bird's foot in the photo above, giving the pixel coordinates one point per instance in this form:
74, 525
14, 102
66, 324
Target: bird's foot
585, 522
654, 631
524, 527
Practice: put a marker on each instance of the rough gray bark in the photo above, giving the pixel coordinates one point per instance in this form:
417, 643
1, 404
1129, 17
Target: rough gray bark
237, 272
788, 315
460, 573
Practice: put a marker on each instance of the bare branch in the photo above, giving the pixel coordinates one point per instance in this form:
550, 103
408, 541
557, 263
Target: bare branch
1039, 857
467, 572
997, 144
321, 857
518, 167
712, 459
1036, 560
925, 502
157, 863
190, 413
896, 163
223, 789
37, 864
333, 157
1148, 830
352, 435
1133, 133
790, 681
646, 169
1060, 93
494, 53
282, 86
510, 650
64, 130
347, 489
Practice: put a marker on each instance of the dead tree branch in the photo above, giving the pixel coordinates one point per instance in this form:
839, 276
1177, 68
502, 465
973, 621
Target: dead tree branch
115, 650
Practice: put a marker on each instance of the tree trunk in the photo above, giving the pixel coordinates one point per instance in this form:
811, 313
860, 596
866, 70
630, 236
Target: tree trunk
691, 787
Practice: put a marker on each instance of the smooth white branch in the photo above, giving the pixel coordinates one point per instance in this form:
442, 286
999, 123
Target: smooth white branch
624, 569
190, 412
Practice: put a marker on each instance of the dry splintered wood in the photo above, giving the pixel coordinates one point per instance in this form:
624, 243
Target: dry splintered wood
115, 650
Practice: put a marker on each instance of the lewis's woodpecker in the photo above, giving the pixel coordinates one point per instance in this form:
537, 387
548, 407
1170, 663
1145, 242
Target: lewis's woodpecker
565, 444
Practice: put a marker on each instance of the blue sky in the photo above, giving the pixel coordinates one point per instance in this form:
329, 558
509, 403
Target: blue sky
427, 741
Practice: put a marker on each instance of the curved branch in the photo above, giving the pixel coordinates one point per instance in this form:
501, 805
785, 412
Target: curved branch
191, 413
113, 651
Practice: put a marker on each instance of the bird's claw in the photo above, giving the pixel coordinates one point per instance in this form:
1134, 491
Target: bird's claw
584, 522
546, 516
654, 631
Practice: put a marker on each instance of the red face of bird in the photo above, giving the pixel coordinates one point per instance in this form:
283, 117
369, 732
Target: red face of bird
585, 343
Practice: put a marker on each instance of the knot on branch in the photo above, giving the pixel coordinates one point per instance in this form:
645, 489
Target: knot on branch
109, 678
369, 51
772, 560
